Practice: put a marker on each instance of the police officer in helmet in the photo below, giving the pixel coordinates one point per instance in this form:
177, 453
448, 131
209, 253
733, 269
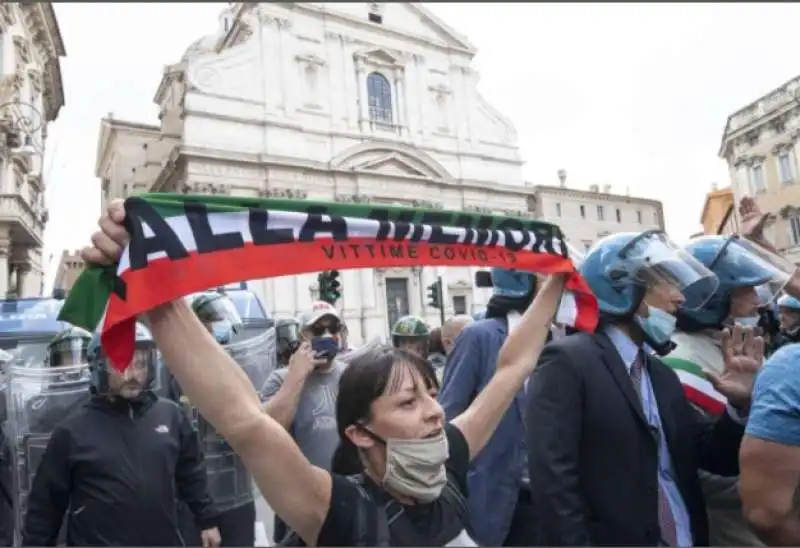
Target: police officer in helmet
68, 347
120, 463
287, 332
748, 280
230, 485
614, 446
789, 317
413, 334
218, 314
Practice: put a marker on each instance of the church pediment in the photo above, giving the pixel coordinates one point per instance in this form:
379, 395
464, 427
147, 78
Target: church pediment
379, 56
394, 164
409, 18
390, 159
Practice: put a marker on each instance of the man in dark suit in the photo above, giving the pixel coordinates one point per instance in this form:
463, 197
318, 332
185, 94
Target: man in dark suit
614, 445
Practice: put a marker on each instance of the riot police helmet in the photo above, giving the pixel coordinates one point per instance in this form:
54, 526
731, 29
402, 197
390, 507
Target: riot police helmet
749, 277
287, 333
642, 279
69, 347
218, 314
138, 376
789, 313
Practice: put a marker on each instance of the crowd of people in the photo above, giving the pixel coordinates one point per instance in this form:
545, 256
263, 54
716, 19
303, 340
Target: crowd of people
676, 423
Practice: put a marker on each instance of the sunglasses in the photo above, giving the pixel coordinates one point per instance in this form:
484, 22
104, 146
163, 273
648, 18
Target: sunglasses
320, 329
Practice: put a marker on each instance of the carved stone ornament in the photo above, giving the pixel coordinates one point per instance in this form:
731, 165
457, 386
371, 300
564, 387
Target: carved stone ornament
207, 188
352, 199
310, 60
23, 49
35, 78
7, 14
478, 209
269, 19
427, 204
289, 193
532, 203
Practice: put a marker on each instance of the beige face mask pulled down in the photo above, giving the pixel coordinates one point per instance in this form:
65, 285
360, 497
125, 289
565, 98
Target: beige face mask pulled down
415, 467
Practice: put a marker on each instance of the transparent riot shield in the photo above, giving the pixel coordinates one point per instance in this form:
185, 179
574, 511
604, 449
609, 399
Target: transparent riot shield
258, 356
37, 400
229, 482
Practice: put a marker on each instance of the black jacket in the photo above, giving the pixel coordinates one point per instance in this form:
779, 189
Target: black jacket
118, 468
593, 457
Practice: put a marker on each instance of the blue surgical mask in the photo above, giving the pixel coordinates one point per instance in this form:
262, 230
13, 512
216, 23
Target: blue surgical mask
746, 321
658, 325
222, 331
325, 347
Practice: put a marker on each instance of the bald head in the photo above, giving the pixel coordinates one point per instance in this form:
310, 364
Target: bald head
451, 329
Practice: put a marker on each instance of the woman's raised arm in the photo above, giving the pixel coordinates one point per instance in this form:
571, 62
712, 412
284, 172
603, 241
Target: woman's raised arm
517, 360
297, 491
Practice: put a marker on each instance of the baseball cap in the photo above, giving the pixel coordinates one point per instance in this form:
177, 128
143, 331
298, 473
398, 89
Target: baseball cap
318, 310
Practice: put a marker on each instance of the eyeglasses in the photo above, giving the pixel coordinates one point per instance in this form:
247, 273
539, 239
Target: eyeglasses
320, 329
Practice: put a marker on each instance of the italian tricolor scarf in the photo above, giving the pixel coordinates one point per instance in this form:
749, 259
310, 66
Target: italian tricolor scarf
694, 354
181, 244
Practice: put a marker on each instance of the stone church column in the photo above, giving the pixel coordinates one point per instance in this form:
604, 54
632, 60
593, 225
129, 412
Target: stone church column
5, 245
363, 107
400, 100
23, 279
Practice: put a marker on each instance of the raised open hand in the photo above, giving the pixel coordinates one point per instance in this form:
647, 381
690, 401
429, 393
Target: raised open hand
743, 352
751, 218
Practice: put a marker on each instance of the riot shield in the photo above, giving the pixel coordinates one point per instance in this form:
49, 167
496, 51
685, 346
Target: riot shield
229, 482
258, 356
37, 400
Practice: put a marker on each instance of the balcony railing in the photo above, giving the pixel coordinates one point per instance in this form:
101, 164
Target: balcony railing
16, 210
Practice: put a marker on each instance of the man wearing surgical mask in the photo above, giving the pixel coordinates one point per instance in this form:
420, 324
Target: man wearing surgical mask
614, 445
749, 278
302, 396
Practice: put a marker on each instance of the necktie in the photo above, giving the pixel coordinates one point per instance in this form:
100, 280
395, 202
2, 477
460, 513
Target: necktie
666, 520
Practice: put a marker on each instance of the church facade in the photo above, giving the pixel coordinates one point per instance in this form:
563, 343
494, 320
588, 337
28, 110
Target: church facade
347, 102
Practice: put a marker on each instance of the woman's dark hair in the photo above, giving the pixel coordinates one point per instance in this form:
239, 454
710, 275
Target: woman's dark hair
364, 380
435, 342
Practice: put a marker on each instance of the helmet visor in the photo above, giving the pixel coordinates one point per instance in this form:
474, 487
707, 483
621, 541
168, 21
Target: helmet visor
749, 264
217, 310
68, 352
653, 259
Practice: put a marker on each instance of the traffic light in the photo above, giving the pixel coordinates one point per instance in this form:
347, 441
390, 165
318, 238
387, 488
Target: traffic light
435, 296
330, 289
334, 287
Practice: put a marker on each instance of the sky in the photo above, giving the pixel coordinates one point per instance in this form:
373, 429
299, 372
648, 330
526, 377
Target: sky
631, 95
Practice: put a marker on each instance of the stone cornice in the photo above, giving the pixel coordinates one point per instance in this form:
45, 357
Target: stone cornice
181, 153
349, 20
593, 196
171, 72
40, 18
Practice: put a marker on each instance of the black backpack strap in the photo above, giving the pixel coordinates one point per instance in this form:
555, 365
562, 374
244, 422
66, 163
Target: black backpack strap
371, 524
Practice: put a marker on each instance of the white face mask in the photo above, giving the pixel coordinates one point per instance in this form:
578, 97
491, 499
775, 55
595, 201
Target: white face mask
658, 325
746, 321
415, 467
